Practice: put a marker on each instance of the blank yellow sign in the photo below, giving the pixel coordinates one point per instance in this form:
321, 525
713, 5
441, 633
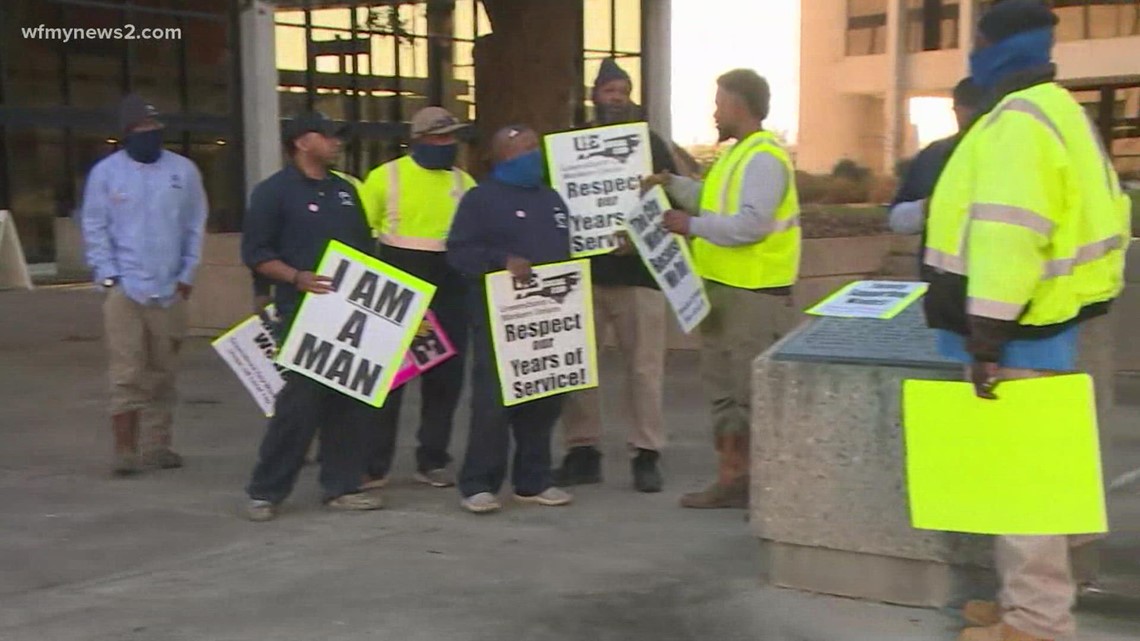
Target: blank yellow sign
1027, 463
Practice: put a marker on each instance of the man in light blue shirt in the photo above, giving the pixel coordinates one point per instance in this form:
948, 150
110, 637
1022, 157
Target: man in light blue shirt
144, 216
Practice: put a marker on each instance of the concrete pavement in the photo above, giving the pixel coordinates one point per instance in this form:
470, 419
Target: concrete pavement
164, 557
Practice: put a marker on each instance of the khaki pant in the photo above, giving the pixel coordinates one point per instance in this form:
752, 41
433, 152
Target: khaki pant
1038, 590
143, 343
638, 316
741, 325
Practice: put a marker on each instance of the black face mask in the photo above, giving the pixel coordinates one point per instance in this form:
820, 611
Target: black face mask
144, 146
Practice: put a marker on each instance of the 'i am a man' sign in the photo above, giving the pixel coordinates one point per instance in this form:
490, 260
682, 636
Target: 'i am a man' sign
354, 339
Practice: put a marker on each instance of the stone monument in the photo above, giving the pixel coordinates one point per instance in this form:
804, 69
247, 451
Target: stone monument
828, 469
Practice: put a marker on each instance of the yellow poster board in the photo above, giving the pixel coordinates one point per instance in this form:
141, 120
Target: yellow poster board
1027, 463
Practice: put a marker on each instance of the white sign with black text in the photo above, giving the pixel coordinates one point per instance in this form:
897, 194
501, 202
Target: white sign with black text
598, 173
668, 259
354, 339
543, 331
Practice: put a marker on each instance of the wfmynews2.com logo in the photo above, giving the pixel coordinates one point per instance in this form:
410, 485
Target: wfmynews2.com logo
125, 32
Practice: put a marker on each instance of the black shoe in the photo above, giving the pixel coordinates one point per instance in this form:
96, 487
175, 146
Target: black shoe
582, 466
646, 476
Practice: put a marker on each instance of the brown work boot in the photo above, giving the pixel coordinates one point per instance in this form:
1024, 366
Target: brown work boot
718, 496
125, 428
981, 613
999, 632
731, 487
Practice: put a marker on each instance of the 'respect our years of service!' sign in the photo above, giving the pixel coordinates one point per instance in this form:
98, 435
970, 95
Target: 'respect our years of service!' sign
543, 331
598, 173
354, 339
667, 257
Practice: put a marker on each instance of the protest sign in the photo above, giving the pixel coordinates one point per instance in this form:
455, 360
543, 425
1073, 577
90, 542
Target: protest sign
668, 259
598, 173
543, 331
881, 299
1026, 463
430, 347
354, 338
249, 349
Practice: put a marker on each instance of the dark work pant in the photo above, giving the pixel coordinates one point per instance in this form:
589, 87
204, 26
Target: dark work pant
440, 387
489, 440
303, 407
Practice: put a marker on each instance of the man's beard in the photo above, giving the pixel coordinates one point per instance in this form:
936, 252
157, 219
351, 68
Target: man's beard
612, 115
725, 133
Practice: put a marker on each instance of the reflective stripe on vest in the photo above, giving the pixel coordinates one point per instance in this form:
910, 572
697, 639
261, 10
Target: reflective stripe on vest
415, 235
774, 260
1068, 253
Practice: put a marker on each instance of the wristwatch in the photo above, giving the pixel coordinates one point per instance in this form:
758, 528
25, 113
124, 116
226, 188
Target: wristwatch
108, 283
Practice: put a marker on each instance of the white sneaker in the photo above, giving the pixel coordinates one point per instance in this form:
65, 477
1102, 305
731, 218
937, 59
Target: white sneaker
482, 503
551, 497
436, 478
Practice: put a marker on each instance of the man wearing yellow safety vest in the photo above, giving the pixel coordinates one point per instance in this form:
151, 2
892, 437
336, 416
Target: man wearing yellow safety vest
411, 202
746, 244
1026, 237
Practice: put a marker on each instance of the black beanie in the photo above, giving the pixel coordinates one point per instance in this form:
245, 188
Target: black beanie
1011, 17
610, 71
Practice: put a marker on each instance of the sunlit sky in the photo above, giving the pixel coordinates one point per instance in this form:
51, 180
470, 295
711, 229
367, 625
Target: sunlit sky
713, 36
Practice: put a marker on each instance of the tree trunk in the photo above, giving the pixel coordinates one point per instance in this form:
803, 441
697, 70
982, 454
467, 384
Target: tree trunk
527, 71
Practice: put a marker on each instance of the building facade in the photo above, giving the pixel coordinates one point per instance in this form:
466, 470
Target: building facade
862, 60
227, 73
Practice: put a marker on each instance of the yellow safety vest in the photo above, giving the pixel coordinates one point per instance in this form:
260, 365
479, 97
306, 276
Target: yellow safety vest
774, 261
1029, 210
411, 207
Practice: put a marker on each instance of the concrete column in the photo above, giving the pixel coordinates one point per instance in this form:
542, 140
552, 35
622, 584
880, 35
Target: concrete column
967, 21
656, 73
894, 103
260, 106
831, 123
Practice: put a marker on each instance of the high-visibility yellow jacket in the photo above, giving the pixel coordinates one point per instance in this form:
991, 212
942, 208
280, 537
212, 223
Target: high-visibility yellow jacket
411, 207
1028, 222
772, 262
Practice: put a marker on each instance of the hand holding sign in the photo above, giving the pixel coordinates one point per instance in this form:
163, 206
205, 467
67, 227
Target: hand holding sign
660, 179
519, 267
676, 222
311, 283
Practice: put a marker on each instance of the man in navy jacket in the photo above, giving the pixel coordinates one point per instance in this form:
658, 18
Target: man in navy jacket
512, 221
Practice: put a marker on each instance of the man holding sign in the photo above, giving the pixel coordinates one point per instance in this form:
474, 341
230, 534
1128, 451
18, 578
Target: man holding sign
746, 245
1026, 240
628, 299
292, 217
512, 222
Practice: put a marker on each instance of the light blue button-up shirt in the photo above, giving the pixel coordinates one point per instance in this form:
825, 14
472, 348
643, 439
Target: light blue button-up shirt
144, 223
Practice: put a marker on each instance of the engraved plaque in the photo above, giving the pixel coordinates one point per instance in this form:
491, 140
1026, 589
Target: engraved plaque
903, 341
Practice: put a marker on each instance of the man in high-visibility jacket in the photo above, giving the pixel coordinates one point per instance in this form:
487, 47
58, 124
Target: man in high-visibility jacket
411, 202
1026, 238
746, 244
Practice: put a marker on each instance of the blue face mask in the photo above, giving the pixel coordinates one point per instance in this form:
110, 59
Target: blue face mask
144, 146
521, 171
1020, 52
435, 156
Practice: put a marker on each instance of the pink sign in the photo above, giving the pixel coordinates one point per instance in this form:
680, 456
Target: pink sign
429, 348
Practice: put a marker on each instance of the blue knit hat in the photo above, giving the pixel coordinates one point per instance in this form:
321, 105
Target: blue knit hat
609, 72
1011, 17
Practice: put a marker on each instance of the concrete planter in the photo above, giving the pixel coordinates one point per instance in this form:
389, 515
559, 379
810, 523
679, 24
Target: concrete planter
223, 289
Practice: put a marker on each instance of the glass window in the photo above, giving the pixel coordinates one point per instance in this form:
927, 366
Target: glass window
931, 25
866, 27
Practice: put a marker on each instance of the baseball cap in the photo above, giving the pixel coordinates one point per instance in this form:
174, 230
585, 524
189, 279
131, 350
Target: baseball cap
135, 110
434, 121
313, 121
